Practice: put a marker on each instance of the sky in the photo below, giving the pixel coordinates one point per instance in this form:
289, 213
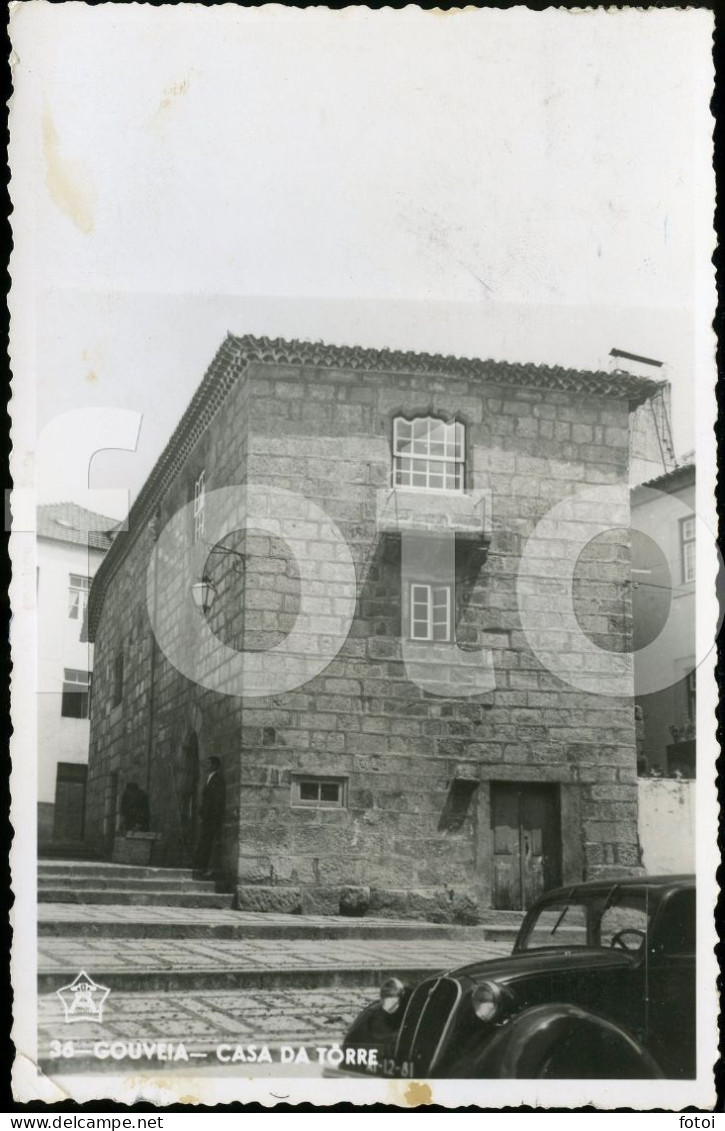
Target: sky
517, 185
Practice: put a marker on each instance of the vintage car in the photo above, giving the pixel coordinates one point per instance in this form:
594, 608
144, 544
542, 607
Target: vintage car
600, 984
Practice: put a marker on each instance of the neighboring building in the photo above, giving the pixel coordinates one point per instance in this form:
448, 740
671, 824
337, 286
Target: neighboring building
71, 544
663, 578
423, 797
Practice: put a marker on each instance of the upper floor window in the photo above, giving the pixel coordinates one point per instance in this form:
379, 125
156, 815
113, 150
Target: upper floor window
75, 703
428, 454
430, 612
78, 596
199, 502
687, 541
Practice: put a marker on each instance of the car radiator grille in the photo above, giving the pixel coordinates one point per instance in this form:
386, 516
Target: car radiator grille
426, 1022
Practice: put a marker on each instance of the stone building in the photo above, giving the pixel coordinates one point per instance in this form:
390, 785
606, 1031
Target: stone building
71, 543
411, 751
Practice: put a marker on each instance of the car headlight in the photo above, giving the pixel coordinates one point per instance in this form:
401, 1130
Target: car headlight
391, 992
486, 1001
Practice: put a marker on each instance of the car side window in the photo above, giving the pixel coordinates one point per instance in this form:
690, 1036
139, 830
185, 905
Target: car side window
676, 926
623, 925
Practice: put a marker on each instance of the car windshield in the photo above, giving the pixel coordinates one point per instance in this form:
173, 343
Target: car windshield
614, 918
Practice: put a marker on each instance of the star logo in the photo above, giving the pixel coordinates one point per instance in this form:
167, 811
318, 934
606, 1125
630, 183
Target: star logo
83, 999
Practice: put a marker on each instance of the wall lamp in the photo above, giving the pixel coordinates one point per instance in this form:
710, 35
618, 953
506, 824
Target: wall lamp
203, 593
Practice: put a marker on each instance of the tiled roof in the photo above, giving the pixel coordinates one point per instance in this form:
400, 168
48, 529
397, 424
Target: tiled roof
68, 522
236, 353
278, 351
673, 480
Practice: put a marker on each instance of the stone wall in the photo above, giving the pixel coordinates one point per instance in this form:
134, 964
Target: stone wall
327, 435
667, 825
419, 768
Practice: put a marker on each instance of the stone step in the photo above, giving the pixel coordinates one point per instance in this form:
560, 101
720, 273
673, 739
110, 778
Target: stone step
263, 927
123, 898
83, 868
241, 978
65, 850
116, 883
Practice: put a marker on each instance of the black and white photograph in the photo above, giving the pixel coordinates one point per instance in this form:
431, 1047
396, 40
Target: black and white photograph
364, 556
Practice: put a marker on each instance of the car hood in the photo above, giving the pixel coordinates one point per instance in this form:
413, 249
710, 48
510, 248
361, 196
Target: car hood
553, 960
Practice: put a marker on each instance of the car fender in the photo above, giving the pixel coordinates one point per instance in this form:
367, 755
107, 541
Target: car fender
581, 1043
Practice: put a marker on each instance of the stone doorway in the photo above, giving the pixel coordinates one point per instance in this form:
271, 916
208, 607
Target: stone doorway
526, 828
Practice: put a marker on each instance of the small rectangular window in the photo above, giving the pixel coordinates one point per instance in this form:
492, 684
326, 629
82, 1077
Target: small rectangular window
76, 699
430, 612
321, 793
199, 507
687, 541
78, 588
118, 679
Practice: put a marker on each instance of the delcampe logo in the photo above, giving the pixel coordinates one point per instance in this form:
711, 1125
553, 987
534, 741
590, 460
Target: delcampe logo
83, 999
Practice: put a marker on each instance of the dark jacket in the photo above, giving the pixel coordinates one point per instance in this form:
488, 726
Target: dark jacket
213, 799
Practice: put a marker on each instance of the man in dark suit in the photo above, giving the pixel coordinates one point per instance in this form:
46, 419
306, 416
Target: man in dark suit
213, 803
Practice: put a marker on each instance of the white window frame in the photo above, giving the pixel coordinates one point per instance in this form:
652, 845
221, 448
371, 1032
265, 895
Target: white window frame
426, 596
687, 544
420, 463
199, 507
300, 780
76, 682
78, 589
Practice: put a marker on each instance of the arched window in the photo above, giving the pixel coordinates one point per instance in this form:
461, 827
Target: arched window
428, 454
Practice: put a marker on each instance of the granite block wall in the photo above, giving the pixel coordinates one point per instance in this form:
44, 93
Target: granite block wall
418, 770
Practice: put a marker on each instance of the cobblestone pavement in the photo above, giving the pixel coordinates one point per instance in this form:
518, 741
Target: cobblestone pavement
211, 1025
121, 955
112, 913
207, 1018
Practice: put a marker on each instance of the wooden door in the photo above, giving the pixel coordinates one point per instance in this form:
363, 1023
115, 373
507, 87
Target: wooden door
70, 801
526, 842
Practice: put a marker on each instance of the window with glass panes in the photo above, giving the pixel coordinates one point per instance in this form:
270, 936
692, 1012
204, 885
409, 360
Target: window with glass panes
687, 538
325, 793
76, 699
430, 612
428, 454
78, 595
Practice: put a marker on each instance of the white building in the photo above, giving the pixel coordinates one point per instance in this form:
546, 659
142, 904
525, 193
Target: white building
71, 544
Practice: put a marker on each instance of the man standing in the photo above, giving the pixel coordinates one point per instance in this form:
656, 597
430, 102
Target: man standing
213, 802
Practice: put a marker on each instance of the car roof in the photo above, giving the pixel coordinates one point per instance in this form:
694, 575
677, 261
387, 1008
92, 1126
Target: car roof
639, 883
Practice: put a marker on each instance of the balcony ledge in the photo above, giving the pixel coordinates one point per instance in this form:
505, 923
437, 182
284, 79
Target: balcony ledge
463, 513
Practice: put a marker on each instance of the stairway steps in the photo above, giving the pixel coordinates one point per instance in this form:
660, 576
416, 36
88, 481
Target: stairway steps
57, 869
270, 930
283, 978
122, 898
133, 883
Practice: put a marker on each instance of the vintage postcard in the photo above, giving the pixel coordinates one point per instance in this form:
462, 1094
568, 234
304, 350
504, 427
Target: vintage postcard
363, 556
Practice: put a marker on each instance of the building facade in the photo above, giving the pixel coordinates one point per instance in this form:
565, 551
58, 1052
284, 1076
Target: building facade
663, 578
392, 740
71, 543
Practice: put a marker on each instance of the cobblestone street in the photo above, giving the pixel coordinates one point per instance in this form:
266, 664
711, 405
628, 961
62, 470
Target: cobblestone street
217, 982
205, 1022
129, 955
